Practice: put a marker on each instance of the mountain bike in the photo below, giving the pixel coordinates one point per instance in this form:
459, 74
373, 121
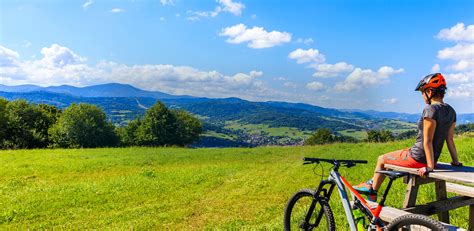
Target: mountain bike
309, 209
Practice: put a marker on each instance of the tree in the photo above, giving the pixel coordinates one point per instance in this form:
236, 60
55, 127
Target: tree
188, 128
157, 128
83, 126
320, 136
161, 126
464, 128
3, 121
128, 134
407, 135
379, 136
386, 136
25, 128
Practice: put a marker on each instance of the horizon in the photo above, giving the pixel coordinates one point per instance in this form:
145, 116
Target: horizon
277, 101
318, 53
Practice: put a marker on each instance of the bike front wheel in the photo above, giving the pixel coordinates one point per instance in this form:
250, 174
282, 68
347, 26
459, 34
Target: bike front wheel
306, 212
415, 222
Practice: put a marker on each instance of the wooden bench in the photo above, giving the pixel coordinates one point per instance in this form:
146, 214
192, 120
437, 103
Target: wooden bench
445, 178
388, 214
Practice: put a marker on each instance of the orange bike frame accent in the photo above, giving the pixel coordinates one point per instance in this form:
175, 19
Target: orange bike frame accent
375, 211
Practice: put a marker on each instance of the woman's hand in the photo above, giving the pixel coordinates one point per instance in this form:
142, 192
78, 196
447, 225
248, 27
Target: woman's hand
424, 171
456, 163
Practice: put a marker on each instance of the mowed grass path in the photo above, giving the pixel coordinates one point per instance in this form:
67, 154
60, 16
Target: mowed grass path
178, 188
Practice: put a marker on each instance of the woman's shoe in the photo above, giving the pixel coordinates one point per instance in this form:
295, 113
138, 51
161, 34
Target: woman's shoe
365, 187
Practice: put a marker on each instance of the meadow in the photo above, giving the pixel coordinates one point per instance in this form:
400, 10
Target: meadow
179, 188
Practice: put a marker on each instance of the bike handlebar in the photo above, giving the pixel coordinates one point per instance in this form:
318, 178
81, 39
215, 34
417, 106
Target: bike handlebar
310, 160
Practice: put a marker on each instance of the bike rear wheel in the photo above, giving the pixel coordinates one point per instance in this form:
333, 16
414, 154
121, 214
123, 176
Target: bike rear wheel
415, 222
305, 212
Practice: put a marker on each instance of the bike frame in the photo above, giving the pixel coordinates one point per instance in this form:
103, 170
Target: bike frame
335, 179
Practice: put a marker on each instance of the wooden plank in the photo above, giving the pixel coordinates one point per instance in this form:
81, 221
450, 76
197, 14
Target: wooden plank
411, 193
444, 171
471, 217
441, 195
460, 189
441, 206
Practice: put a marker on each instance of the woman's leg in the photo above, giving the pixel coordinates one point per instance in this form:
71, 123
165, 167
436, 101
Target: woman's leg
399, 158
394, 157
378, 178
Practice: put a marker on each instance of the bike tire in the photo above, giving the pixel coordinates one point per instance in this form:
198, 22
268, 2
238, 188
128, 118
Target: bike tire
294, 217
412, 221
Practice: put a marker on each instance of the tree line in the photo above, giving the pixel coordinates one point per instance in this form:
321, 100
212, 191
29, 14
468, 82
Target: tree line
326, 136
27, 125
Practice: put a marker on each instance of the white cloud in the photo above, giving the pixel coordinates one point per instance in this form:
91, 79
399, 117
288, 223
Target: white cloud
256, 73
87, 4
280, 79
229, 6
116, 10
306, 41
331, 70
460, 77
256, 37
234, 8
361, 79
290, 85
57, 55
60, 65
458, 33
390, 101
435, 68
459, 60
315, 86
8, 58
306, 56
167, 2
463, 91
458, 52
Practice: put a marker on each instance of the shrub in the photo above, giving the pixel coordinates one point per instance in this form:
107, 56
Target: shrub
83, 126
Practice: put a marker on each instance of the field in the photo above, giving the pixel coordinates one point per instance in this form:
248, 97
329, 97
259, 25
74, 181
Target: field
178, 188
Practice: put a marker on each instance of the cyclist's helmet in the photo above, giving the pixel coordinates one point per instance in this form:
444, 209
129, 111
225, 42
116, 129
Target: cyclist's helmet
432, 81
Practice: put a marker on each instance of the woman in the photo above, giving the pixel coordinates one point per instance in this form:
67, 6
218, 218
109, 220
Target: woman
435, 126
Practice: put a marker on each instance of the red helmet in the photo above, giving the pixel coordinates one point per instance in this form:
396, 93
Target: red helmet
435, 81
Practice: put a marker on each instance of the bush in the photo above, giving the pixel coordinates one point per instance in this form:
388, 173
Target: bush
407, 135
26, 125
83, 126
464, 128
379, 136
320, 136
161, 126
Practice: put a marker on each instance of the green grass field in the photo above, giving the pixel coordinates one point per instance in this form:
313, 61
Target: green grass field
178, 188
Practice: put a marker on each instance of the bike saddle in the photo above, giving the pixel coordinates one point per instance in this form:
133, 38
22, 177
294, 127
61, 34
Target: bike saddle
393, 174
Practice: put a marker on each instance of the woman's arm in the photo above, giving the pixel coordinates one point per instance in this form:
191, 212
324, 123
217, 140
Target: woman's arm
429, 126
452, 146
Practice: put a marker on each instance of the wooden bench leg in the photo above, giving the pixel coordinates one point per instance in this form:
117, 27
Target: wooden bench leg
471, 218
411, 193
441, 194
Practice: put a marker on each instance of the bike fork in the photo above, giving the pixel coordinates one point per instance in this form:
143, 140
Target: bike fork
321, 192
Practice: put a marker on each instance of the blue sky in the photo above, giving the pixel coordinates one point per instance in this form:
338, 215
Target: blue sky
339, 54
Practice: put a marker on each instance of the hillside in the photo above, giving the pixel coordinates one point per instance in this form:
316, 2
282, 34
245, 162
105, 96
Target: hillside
227, 121
231, 121
177, 188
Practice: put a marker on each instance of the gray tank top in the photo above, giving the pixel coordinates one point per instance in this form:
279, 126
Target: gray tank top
445, 116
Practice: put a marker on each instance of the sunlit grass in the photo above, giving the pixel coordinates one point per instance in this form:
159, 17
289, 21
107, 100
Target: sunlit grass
179, 188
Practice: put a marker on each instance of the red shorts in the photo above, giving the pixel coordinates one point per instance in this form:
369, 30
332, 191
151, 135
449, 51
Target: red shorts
402, 158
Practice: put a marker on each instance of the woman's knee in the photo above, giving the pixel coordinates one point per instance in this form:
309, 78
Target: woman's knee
381, 159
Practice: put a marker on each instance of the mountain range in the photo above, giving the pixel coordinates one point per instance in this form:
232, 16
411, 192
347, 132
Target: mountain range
227, 121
